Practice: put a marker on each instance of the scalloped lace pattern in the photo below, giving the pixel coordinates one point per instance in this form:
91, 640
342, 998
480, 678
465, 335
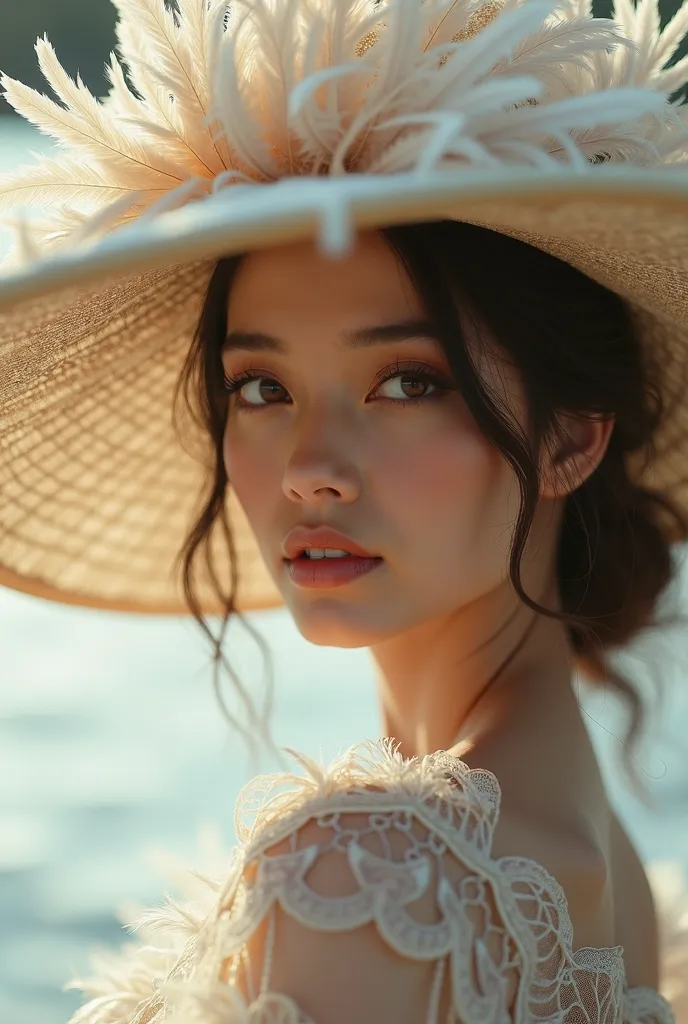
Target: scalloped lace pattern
500, 941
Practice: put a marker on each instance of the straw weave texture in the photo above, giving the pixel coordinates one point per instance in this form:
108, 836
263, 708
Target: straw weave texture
253, 123
96, 491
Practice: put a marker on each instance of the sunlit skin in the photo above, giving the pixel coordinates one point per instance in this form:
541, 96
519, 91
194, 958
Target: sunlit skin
413, 481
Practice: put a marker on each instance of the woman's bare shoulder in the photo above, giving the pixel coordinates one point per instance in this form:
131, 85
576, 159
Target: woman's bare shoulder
636, 923
557, 814
555, 811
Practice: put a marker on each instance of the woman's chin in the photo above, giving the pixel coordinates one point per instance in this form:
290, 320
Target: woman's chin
327, 622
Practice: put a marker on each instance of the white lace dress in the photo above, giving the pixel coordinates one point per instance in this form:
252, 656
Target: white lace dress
498, 945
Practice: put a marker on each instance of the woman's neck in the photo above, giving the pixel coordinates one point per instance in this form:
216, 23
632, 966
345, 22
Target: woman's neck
450, 682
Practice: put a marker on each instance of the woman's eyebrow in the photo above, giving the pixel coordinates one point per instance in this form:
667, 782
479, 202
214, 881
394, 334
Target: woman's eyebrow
363, 337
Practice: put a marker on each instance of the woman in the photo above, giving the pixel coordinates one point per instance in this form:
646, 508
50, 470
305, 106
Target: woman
438, 428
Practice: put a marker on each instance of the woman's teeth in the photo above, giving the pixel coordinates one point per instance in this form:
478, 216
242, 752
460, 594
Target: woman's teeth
325, 553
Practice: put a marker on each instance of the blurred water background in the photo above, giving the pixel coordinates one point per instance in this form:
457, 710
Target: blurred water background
112, 746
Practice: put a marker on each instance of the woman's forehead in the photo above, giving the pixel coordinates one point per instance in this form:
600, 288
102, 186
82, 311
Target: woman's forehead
296, 278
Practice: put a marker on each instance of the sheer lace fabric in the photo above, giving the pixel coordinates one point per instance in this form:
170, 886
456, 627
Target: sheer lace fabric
405, 847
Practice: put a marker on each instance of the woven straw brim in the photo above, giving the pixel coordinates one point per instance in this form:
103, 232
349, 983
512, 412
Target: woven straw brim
97, 493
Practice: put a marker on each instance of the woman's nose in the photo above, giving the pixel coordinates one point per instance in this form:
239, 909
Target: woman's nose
322, 466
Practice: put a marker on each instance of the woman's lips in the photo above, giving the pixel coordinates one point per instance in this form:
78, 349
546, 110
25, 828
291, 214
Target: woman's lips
319, 573
303, 538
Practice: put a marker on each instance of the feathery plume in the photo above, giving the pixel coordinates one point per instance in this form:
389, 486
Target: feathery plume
255, 90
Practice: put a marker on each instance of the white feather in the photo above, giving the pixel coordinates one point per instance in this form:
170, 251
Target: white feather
222, 93
331, 70
576, 113
673, 78
397, 49
614, 143
83, 106
443, 24
55, 180
319, 130
497, 41
558, 49
464, 66
576, 8
198, 19
120, 100
671, 37
276, 35
170, 55
646, 34
122, 155
237, 120
624, 14
148, 26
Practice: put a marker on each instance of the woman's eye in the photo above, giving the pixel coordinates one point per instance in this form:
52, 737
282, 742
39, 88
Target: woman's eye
262, 391
407, 385
402, 388
258, 391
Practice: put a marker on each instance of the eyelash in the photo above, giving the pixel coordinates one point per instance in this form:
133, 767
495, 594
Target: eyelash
420, 372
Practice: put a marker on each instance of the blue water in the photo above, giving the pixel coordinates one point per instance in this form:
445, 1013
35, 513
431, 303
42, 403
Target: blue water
111, 743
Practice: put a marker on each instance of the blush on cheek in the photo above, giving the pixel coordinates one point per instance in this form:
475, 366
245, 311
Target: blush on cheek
443, 497
240, 469
243, 470
254, 477
435, 469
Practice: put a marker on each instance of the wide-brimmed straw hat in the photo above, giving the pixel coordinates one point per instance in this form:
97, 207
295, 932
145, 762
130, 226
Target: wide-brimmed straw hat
259, 122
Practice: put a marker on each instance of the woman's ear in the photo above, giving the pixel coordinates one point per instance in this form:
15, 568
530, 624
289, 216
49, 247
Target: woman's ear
576, 454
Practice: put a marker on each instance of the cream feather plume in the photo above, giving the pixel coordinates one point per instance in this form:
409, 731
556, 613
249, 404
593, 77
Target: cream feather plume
255, 90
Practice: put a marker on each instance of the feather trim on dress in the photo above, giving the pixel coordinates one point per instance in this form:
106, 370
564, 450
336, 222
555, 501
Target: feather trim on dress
172, 970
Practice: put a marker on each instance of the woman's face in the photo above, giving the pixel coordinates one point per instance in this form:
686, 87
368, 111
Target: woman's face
362, 431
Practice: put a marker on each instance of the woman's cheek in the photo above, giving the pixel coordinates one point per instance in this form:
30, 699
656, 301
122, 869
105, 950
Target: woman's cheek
435, 466
450, 501
248, 472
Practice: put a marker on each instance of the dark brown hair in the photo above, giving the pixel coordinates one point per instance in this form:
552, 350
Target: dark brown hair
578, 352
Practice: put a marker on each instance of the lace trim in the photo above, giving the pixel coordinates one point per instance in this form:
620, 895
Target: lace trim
498, 920
501, 936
